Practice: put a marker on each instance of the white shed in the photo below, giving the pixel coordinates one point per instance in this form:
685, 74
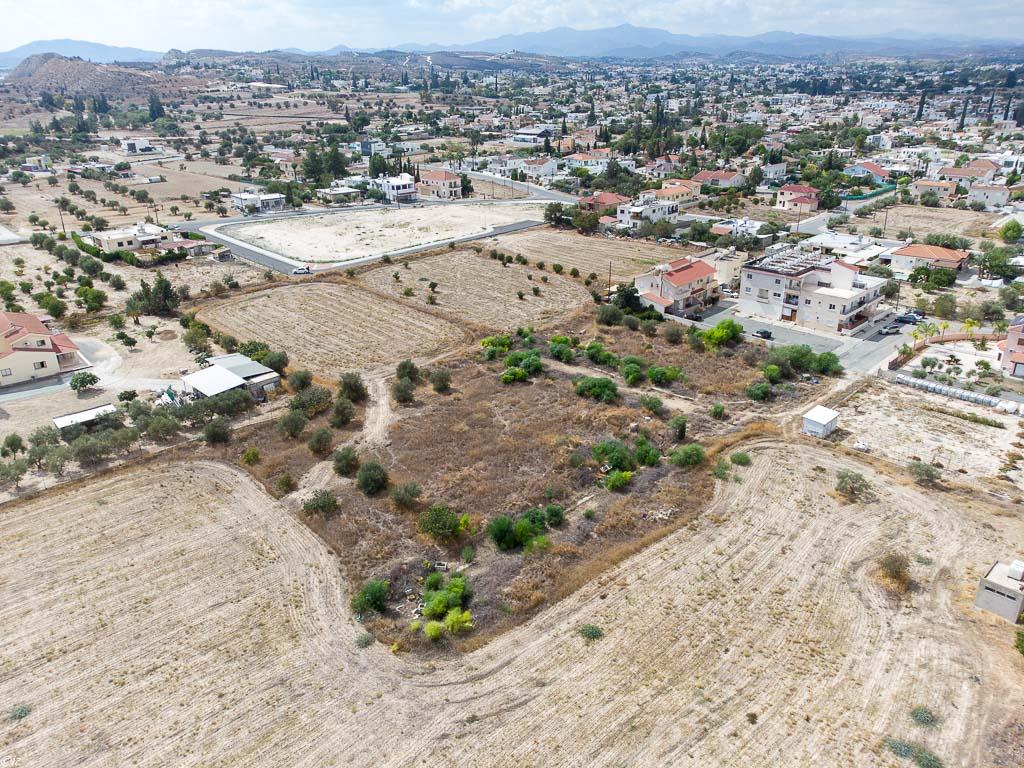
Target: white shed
820, 421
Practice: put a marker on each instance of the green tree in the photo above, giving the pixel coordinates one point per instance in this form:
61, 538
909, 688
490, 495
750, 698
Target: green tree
371, 478
84, 380
439, 522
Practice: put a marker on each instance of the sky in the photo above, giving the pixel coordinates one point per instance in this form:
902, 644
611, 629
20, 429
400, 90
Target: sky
321, 24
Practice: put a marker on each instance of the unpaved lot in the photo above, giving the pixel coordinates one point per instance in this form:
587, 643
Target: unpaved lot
481, 290
176, 615
348, 235
332, 328
905, 424
593, 253
922, 221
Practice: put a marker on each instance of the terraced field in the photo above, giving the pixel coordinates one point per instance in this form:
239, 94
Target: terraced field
331, 328
479, 289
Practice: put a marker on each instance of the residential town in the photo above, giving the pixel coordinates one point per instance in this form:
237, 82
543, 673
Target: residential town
579, 396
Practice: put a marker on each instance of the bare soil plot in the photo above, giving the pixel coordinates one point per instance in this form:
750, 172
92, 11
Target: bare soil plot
593, 253
352, 234
925, 221
905, 424
331, 328
175, 615
481, 290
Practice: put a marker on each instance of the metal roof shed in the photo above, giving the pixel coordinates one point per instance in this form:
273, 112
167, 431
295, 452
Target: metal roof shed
212, 381
820, 421
240, 365
83, 417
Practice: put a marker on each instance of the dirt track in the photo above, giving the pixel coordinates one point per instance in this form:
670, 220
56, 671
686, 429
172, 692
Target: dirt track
200, 625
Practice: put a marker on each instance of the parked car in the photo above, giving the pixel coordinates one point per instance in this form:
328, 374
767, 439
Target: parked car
730, 293
763, 333
889, 330
693, 316
302, 271
908, 318
919, 312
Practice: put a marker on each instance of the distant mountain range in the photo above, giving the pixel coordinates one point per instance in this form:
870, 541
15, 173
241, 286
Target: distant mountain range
624, 42
96, 52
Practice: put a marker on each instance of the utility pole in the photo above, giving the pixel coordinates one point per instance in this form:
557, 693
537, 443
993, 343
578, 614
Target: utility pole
609, 277
61, 214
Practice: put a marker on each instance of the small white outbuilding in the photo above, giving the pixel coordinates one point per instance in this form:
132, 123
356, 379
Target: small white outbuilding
820, 421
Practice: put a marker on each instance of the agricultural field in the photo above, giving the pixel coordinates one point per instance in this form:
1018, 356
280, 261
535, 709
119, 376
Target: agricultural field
347, 235
479, 289
199, 623
905, 424
924, 221
594, 253
331, 328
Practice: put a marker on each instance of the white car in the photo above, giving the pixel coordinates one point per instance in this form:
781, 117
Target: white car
302, 271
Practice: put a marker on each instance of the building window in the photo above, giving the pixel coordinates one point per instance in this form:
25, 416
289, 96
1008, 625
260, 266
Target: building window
5, 372
831, 306
776, 294
807, 301
1019, 342
778, 282
39, 365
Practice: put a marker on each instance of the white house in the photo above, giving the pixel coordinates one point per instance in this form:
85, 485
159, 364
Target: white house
810, 289
797, 198
442, 185
724, 179
396, 189
993, 196
137, 146
774, 172
258, 202
142, 235
646, 208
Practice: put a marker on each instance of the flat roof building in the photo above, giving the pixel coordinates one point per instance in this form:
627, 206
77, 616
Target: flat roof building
1001, 590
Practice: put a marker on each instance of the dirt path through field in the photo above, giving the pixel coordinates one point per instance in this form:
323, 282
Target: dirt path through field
175, 615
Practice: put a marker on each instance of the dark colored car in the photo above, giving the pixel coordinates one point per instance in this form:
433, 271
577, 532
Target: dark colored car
907, 318
763, 333
693, 316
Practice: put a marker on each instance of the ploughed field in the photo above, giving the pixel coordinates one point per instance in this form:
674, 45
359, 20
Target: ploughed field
331, 328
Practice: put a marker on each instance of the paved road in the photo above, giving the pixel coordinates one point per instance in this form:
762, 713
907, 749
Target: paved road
536, 192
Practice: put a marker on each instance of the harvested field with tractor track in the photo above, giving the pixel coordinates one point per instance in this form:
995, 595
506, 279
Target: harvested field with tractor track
332, 328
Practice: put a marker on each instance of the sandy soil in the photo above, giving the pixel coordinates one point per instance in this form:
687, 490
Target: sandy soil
176, 615
331, 328
628, 258
479, 289
353, 234
899, 422
925, 221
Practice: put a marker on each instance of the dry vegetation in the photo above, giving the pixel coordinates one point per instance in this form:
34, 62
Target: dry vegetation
200, 624
479, 289
924, 221
331, 328
593, 253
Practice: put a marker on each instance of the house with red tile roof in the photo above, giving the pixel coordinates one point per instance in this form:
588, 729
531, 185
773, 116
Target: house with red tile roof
907, 258
721, 178
1011, 349
441, 185
678, 286
797, 198
867, 168
30, 350
602, 202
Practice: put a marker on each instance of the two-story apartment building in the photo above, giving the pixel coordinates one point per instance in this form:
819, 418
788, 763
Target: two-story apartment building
721, 178
29, 350
797, 198
442, 185
646, 208
396, 189
678, 286
809, 289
